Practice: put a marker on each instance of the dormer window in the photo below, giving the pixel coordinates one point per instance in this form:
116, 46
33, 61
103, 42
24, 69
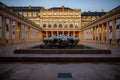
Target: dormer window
44, 14
71, 13
76, 14
65, 13
60, 14
54, 13
49, 13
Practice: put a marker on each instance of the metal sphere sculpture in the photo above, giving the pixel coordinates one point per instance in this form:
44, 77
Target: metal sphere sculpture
61, 40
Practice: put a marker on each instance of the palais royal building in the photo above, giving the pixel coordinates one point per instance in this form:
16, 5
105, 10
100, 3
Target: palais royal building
58, 20
89, 26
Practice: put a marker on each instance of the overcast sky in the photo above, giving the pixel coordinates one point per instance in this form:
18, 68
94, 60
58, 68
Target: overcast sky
84, 5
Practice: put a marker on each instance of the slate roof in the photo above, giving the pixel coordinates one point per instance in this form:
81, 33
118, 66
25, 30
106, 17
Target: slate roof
93, 13
37, 9
26, 9
60, 8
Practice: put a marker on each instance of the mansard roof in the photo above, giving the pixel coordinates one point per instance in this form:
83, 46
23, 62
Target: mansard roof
26, 9
93, 13
60, 8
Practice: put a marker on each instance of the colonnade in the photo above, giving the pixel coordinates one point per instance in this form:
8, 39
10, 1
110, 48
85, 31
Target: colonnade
15, 28
57, 33
104, 30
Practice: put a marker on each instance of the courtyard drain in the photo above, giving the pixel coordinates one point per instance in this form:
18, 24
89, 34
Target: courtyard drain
64, 75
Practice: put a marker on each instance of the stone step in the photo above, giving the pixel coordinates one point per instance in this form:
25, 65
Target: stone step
61, 51
59, 59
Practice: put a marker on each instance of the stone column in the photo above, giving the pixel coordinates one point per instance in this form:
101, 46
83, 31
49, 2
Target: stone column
95, 33
74, 24
102, 33
107, 32
92, 35
68, 33
98, 33
16, 32
19, 32
10, 32
114, 32
80, 35
74, 33
29, 35
41, 36
52, 33
62, 32
57, 33
46, 34
3, 40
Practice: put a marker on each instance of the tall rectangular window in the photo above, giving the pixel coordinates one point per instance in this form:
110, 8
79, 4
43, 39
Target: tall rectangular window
13, 29
7, 29
44, 24
118, 29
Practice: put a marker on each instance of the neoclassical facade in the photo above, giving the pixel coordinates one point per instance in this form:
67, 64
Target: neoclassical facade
15, 28
104, 30
58, 20
29, 24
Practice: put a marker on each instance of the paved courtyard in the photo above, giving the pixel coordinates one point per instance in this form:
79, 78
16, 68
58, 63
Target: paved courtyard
50, 71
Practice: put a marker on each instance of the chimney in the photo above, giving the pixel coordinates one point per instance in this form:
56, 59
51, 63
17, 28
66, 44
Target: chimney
62, 8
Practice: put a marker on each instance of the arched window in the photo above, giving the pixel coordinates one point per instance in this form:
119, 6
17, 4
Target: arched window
44, 25
71, 25
49, 25
60, 25
55, 25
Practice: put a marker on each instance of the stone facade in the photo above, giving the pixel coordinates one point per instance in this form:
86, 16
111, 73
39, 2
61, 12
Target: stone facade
15, 28
58, 20
17, 24
104, 30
